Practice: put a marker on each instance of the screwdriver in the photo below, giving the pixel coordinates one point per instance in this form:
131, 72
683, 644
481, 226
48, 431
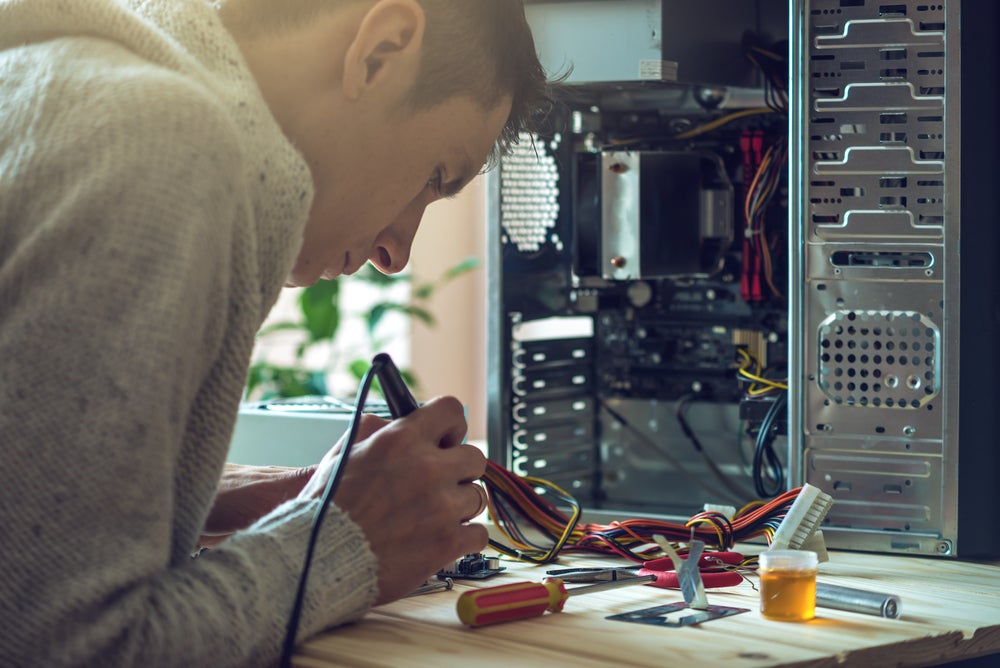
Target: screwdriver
520, 600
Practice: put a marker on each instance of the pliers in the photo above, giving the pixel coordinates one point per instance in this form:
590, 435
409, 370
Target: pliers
718, 569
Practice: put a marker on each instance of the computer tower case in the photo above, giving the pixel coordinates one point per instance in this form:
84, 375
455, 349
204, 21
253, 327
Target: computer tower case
894, 308
756, 247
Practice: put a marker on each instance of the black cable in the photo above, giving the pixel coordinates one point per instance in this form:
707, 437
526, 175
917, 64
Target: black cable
503, 505
664, 452
288, 647
764, 454
741, 495
684, 425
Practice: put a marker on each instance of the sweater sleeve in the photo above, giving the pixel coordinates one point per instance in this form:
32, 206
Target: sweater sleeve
126, 293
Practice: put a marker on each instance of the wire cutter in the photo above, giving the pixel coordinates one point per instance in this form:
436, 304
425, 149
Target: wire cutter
718, 569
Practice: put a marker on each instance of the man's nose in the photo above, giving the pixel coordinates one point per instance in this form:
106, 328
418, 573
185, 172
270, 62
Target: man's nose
392, 247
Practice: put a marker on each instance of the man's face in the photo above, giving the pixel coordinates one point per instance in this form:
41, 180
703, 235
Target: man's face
371, 191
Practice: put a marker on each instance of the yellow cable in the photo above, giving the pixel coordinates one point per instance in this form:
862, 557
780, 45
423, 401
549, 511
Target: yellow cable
719, 122
773, 384
715, 527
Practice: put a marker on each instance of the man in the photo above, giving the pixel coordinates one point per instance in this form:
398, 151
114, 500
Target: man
165, 166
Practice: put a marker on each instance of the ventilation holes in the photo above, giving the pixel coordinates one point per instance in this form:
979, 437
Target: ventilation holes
529, 195
880, 359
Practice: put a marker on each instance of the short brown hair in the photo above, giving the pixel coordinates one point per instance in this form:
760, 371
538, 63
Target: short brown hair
484, 49
480, 48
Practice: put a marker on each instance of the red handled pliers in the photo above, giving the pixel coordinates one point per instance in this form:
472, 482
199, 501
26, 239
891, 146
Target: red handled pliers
718, 569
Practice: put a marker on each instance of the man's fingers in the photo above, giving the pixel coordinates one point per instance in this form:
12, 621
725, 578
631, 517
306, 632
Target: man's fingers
369, 425
478, 502
441, 420
475, 537
464, 463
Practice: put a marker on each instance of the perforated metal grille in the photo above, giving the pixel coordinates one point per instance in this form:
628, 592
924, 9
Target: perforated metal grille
883, 359
529, 195
876, 127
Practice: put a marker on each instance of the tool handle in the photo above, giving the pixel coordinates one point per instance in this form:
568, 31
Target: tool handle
401, 403
711, 579
707, 561
505, 603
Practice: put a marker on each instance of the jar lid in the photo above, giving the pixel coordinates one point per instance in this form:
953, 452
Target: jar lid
788, 559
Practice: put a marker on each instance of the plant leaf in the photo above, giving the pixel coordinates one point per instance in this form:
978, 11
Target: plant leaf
317, 382
376, 312
380, 310
421, 314
319, 306
254, 378
321, 309
424, 292
468, 264
358, 368
370, 274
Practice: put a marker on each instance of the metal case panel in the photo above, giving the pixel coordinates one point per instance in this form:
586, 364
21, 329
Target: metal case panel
878, 325
892, 319
647, 40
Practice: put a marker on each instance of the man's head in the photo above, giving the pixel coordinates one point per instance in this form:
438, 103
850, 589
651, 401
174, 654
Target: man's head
495, 58
394, 104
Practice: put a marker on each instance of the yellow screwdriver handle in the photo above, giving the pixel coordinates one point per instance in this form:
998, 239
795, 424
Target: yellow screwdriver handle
504, 603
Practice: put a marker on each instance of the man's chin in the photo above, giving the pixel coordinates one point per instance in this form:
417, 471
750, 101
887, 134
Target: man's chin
296, 280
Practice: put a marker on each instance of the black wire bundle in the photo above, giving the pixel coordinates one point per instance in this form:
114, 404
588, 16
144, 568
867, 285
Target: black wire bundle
738, 494
764, 456
518, 507
774, 67
516, 499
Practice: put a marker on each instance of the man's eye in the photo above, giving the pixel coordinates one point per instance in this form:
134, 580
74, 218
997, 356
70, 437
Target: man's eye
434, 183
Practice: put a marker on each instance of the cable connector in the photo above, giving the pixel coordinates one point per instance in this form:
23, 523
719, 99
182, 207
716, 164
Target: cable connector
757, 144
803, 519
816, 543
728, 511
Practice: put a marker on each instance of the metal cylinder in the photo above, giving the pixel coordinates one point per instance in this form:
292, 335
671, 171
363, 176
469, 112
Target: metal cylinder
857, 600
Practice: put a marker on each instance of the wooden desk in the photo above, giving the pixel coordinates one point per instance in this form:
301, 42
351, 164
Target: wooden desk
950, 611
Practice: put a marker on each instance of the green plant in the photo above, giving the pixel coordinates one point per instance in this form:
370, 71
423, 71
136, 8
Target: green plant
320, 315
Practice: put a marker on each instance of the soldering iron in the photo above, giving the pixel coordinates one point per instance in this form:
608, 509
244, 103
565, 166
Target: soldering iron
397, 396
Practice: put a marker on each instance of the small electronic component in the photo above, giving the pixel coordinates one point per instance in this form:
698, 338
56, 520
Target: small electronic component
472, 567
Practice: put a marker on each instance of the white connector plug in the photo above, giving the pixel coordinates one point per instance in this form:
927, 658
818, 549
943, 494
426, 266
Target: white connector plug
728, 511
799, 529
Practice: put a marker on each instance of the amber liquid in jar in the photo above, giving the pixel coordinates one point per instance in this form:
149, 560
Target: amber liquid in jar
788, 595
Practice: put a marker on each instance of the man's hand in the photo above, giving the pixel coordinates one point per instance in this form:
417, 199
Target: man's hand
247, 493
407, 484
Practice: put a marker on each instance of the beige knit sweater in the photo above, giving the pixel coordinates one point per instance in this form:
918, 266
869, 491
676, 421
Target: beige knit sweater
150, 209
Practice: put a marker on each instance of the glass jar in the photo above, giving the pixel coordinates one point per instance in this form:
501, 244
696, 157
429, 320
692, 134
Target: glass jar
788, 584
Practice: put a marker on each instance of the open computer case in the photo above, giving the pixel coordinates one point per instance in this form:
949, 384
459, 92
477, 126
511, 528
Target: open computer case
756, 247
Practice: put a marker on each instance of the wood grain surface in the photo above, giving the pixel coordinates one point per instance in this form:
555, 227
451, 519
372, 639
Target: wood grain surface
950, 611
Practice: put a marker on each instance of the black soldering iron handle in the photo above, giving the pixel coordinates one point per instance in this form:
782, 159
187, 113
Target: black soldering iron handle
397, 395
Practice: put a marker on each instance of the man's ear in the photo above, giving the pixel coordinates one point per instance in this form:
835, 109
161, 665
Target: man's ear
387, 45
